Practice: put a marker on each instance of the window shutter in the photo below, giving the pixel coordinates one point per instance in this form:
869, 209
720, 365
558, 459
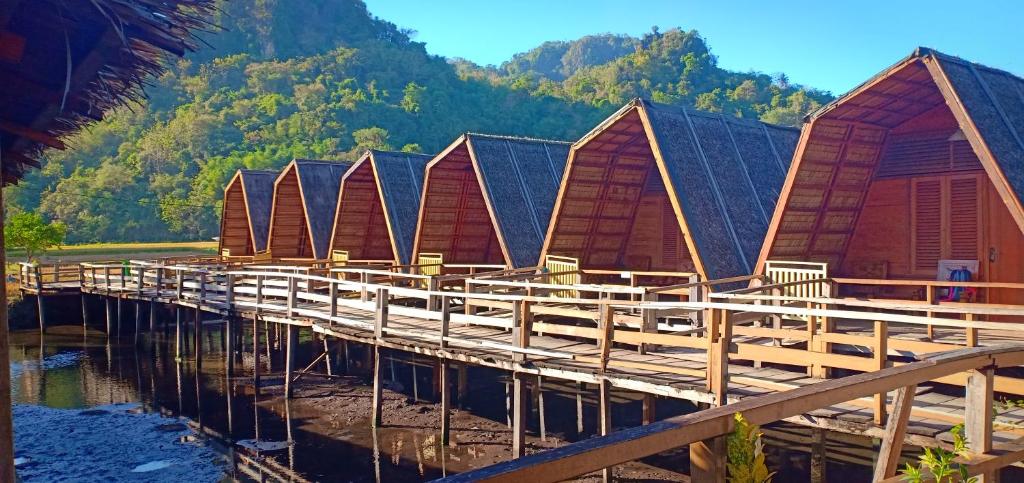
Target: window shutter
671, 234
963, 218
927, 224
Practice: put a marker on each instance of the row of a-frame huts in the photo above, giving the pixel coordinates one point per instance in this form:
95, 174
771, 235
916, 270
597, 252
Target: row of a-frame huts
916, 174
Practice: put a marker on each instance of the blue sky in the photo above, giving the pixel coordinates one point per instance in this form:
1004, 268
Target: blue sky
829, 44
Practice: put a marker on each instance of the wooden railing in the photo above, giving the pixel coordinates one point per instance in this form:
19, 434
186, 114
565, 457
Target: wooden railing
35, 276
976, 365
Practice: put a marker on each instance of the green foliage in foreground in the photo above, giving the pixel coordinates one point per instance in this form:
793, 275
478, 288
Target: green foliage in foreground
30, 233
936, 464
326, 79
746, 454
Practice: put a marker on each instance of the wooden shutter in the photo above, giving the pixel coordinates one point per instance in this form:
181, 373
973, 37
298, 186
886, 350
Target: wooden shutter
670, 236
927, 224
964, 213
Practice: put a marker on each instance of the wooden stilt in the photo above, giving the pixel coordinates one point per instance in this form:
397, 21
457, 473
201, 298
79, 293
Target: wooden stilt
85, 313
327, 357
120, 305
605, 395
444, 386
508, 404
463, 385
818, 455
540, 410
377, 418
256, 354
707, 461
519, 414
895, 430
138, 320
229, 341
345, 356
179, 336
289, 359
110, 317
152, 317
580, 387
198, 342
415, 384
649, 409
42, 311
978, 416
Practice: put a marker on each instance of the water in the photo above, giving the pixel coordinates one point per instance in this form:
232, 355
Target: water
89, 409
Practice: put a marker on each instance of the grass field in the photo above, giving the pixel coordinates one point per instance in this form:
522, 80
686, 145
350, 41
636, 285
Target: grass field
118, 251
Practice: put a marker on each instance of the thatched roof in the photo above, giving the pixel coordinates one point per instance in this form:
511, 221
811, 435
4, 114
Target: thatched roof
64, 63
314, 201
518, 178
722, 174
985, 104
390, 182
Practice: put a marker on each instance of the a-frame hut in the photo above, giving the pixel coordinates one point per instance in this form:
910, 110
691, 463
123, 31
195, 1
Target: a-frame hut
377, 208
487, 200
668, 191
245, 214
302, 217
916, 172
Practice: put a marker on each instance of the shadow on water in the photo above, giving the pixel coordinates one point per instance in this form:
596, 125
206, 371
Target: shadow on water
324, 433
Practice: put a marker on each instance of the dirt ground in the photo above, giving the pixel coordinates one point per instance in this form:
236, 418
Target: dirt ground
340, 409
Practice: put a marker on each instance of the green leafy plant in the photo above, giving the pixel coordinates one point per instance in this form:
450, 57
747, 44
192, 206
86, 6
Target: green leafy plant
937, 464
746, 454
28, 231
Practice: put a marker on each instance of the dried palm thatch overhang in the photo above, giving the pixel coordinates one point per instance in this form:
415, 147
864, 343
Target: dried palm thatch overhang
923, 162
245, 215
488, 199
377, 208
63, 64
658, 188
302, 216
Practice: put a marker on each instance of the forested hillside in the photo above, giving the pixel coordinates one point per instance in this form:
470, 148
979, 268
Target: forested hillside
325, 79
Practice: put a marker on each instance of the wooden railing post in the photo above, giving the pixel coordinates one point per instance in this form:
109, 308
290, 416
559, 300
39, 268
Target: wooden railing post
229, 291
649, 320
181, 283
930, 298
81, 275
380, 320
202, 288
694, 295
978, 415
159, 279
446, 318
259, 297
141, 279
607, 325
814, 369
467, 305
364, 279
881, 358
332, 292
971, 333
106, 277
719, 338
293, 287
522, 328
432, 302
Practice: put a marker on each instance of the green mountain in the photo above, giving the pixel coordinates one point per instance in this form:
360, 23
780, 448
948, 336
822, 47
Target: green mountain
326, 79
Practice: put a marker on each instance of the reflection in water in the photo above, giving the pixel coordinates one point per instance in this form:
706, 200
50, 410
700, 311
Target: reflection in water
323, 436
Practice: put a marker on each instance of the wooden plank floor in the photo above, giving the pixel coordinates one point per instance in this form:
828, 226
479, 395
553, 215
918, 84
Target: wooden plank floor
673, 372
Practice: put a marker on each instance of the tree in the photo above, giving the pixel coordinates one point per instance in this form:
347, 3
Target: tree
31, 233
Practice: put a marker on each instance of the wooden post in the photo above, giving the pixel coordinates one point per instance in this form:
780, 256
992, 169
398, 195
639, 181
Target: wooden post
110, 316
930, 298
607, 324
6, 421
819, 460
141, 280
198, 349
179, 336
895, 430
720, 334
432, 299
180, 288
446, 400
971, 333
152, 316
159, 280
256, 354
881, 358
463, 384
580, 387
649, 409
707, 461
364, 292
467, 305
39, 299
518, 414
289, 359
694, 295
605, 397
377, 418
541, 419
259, 301
328, 363
446, 318
333, 293
978, 415
85, 312
521, 329
293, 287
380, 321
229, 291
649, 321
138, 320
120, 306
229, 342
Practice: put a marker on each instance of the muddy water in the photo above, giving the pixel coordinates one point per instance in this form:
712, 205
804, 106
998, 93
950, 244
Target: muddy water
137, 415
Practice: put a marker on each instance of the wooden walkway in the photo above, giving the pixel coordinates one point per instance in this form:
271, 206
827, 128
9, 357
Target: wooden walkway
705, 352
